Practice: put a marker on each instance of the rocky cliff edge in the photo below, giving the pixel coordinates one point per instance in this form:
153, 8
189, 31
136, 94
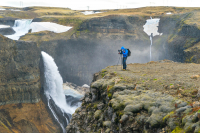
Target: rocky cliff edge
155, 97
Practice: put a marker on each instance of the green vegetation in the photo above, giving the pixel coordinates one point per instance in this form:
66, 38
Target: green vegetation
95, 106
89, 106
110, 95
168, 115
178, 130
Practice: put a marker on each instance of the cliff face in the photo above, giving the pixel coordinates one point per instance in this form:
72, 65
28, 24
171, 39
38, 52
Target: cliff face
153, 97
20, 75
22, 110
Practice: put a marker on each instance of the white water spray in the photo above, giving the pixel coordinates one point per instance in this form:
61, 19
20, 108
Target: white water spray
151, 29
53, 88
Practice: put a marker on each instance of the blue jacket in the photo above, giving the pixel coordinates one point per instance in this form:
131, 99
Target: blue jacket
124, 51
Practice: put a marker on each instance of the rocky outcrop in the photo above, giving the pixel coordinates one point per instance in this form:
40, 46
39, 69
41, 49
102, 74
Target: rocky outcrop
20, 74
6, 31
7, 21
141, 99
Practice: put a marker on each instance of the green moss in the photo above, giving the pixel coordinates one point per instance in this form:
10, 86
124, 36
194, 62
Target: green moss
117, 129
120, 113
178, 130
89, 106
119, 106
95, 106
109, 95
116, 120
77, 33
168, 115
110, 88
154, 79
102, 74
103, 70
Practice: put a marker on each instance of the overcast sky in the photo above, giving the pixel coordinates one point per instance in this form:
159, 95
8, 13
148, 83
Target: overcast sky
100, 4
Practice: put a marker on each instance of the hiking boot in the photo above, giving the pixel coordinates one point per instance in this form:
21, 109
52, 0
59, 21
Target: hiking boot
124, 69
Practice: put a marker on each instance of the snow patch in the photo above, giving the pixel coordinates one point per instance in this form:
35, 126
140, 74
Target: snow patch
90, 12
43, 26
4, 26
2, 9
168, 13
15, 10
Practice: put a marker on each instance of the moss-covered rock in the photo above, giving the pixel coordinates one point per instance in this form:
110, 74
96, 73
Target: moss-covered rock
97, 114
107, 124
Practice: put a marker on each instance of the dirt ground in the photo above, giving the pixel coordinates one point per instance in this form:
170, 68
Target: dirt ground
178, 79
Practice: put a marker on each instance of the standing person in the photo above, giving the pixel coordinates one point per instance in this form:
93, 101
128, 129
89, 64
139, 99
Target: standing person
125, 55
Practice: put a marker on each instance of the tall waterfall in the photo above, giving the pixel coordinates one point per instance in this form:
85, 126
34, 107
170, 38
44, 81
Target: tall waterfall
151, 29
151, 37
21, 28
54, 92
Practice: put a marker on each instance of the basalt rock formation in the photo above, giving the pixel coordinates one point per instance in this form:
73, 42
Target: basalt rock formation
22, 110
6, 31
20, 74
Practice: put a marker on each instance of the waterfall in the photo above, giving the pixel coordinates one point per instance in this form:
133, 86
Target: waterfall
150, 46
21, 27
54, 92
151, 29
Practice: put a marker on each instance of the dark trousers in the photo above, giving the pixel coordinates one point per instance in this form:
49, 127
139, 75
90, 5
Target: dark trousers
124, 62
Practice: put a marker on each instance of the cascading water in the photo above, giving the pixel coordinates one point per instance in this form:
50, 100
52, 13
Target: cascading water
150, 45
151, 29
21, 27
54, 92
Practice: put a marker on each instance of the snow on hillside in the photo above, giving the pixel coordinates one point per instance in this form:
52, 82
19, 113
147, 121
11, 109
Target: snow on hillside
4, 26
43, 26
90, 12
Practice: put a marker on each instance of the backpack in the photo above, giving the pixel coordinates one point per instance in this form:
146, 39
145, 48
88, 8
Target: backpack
129, 52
